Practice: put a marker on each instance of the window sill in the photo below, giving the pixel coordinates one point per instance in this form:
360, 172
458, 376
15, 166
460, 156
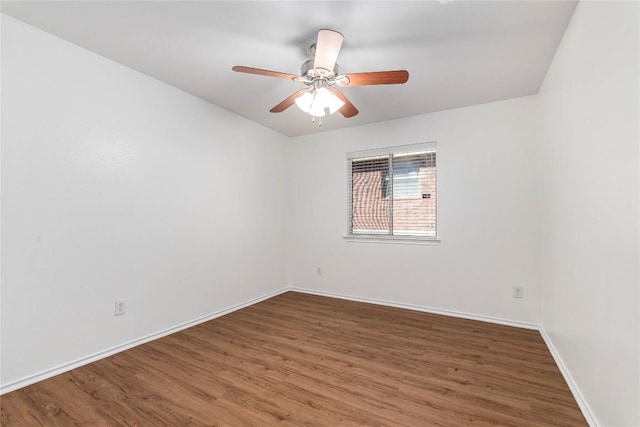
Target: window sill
398, 240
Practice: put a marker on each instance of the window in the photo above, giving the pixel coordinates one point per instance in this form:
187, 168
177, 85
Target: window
392, 192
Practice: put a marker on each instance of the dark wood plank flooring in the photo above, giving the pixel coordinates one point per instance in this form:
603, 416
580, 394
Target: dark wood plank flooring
299, 359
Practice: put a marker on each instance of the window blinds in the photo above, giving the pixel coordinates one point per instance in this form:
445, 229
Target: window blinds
393, 193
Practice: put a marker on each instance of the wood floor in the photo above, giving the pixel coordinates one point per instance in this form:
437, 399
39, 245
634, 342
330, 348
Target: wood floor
298, 359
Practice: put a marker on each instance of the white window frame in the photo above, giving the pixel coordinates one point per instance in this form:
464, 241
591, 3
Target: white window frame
388, 238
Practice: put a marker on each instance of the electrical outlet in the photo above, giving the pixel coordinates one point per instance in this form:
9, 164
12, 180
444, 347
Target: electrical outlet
518, 292
121, 307
319, 271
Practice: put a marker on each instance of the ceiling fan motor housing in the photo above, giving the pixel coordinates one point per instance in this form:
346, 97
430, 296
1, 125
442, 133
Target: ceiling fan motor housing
308, 71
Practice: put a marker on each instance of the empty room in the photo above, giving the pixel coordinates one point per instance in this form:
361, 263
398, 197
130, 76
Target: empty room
234, 213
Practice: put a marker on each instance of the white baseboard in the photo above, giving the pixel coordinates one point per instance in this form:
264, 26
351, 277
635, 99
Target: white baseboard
31, 379
432, 310
582, 403
577, 395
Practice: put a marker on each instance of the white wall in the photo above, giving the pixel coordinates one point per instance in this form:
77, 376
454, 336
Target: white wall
115, 185
589, 207
486, 214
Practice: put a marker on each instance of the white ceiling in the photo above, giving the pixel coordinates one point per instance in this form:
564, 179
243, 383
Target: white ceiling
457, 53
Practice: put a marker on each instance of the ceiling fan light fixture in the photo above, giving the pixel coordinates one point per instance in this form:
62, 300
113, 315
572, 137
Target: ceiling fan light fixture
327, 99
304, 101
317, 101
317, 110
334, 102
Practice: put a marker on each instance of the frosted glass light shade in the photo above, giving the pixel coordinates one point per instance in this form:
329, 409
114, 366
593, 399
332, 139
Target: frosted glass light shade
335, 103
328, 99
316, 102
304, 101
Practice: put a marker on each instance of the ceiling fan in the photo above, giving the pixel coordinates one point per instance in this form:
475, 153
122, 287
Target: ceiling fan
320, 76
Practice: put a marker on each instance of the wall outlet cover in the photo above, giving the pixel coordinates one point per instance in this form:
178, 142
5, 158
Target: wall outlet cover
120, 307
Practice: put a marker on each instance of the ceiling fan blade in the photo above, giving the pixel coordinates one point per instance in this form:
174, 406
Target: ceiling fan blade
347, 110
327, 49
287, 102
378, 78
261, 72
